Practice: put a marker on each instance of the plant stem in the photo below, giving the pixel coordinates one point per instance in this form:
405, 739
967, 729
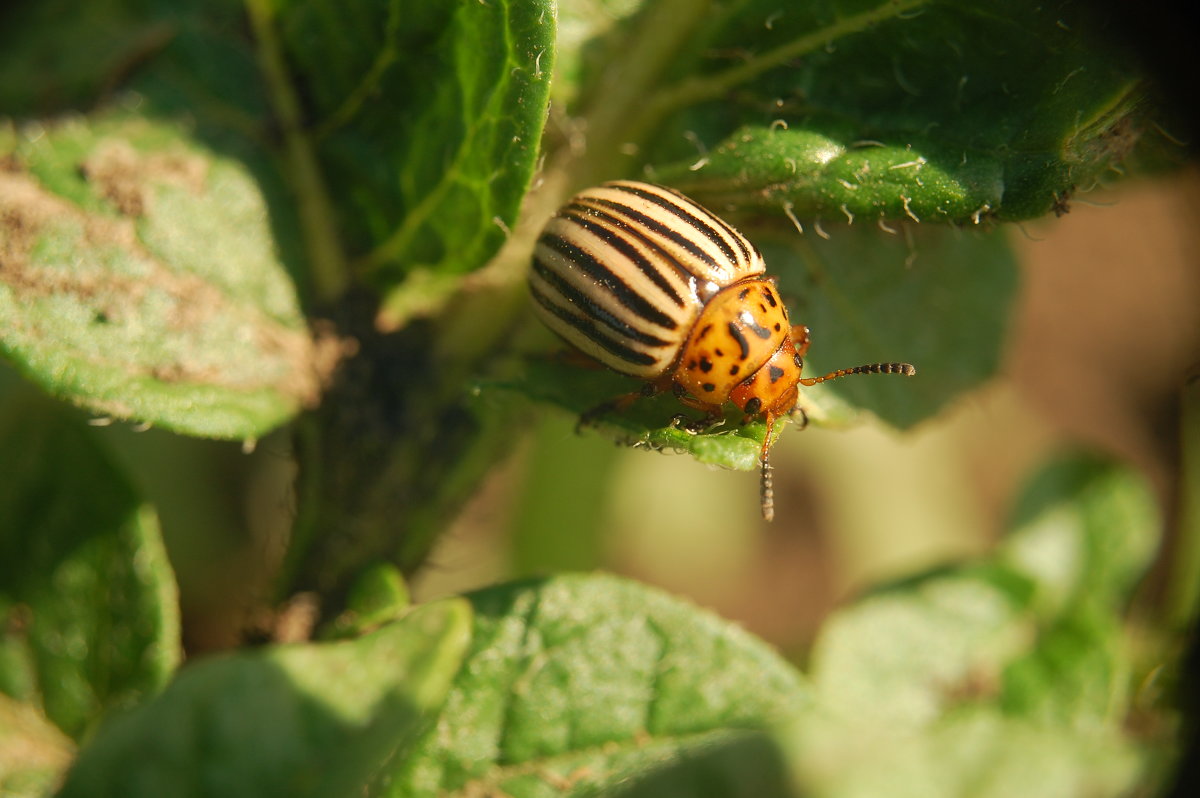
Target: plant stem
662, 31
329, 272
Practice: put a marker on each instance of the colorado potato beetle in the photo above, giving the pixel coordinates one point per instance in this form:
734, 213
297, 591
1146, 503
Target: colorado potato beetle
650, 284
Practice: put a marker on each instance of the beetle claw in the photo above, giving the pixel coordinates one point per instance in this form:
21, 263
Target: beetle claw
698, 425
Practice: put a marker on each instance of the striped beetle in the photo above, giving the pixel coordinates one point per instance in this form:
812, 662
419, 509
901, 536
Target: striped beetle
652, 285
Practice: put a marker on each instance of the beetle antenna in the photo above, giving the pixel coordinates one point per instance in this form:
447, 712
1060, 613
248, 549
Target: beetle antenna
904, 369
766, 485
767, 492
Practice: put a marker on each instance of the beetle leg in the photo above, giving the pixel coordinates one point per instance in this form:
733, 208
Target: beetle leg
800, 339
618, 403
713, 414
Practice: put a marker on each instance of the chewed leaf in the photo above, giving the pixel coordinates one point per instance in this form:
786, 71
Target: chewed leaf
139, 279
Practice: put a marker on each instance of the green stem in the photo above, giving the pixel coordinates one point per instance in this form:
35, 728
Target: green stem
329, 272
663, 30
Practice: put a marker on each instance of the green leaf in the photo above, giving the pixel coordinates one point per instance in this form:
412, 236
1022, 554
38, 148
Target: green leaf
314, 719
649, 423
581, 684
1084, 531
87, 597
939, 111
140, 279
427, 118
939, 299
378, 595
903, 658
969, 681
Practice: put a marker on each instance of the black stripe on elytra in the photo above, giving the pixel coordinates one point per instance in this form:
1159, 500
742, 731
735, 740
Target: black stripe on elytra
660, 228
591, 308
588, 327
609, 235
575, 208
745, 246
591, 266
693, 216
740, 337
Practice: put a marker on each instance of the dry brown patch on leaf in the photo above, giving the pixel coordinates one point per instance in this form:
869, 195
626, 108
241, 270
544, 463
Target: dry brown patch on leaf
27, 211
124, 176
23, 210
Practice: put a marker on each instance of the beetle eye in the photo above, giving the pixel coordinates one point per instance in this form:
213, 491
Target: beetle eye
799, 361
753, 406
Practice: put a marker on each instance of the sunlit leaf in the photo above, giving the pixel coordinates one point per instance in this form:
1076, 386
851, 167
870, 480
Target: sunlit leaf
313, 719
140, 280
583, 684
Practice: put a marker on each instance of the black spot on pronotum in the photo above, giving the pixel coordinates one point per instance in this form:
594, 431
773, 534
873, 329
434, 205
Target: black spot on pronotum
705, 330
740, 337
775, 373
770, 297
705, 365
734, 369
753, 406
709, 387
778, 326
745, 292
